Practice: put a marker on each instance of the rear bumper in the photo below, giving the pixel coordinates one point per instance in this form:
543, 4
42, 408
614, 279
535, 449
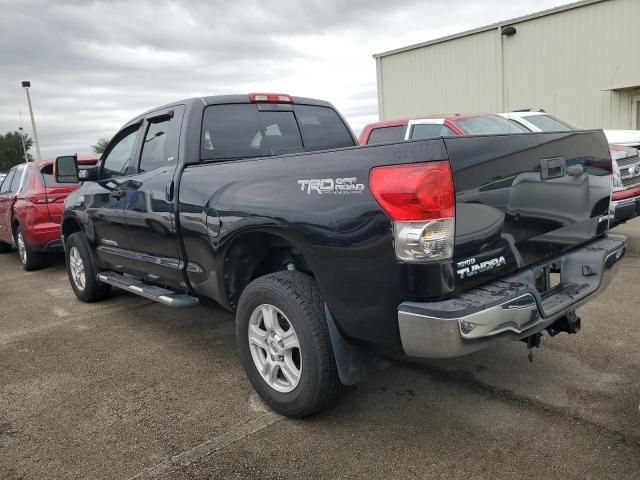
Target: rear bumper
44, 237
511, 308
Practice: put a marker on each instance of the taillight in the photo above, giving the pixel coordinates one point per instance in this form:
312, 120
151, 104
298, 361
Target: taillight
270, 97
39, 198
420, 199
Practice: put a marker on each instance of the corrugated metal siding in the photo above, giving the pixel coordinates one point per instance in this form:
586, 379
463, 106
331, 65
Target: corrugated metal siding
442, 78
562, 62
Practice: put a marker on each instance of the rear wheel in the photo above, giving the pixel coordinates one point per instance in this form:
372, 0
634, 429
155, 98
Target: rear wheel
30, 260
284, 344
82, 270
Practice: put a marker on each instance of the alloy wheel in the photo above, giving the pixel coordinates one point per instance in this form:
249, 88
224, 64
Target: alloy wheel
275, 348
77, 268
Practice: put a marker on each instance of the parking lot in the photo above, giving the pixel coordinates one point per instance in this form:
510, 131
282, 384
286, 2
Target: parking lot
131, 389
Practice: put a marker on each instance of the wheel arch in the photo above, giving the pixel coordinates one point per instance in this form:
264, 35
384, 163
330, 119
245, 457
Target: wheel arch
69, 225
251, 254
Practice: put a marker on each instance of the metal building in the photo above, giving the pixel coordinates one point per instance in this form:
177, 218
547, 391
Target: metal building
580, 61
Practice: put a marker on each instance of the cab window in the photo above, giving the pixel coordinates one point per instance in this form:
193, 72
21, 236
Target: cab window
153, 147
6, 184
118, 160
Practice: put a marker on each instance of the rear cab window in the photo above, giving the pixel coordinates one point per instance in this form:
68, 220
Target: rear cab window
247, 130
386, 134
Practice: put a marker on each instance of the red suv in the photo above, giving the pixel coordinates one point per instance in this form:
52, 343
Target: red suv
31, 204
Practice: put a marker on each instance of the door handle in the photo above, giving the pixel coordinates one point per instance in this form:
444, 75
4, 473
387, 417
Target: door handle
116, 194
169, 191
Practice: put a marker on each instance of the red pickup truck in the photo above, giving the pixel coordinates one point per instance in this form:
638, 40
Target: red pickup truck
31, 203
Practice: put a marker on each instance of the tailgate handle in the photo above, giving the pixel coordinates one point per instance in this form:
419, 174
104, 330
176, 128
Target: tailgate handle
552, 167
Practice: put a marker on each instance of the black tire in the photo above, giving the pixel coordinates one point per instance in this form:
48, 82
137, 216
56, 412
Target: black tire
30, 260
296, 296
5, 247
92, 291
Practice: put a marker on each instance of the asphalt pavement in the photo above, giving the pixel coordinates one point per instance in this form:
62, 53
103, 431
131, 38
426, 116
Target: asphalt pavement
127, 388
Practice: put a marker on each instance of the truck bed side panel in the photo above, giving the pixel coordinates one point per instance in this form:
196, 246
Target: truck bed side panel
343, 235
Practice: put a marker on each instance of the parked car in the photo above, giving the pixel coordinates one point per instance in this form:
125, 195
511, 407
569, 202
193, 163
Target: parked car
626, 178
330, 253
541, 121
31, 203
434, 126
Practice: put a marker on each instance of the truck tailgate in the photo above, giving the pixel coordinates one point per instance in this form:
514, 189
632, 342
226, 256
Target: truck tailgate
522, 199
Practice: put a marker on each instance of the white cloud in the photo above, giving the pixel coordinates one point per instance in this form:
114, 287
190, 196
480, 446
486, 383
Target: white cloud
94, 65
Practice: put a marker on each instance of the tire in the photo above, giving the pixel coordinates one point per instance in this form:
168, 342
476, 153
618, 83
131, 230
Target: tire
82, 270
5, 247
30, 260
291, 298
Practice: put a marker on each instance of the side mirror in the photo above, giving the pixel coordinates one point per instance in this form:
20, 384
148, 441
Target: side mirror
66, 169
88, 174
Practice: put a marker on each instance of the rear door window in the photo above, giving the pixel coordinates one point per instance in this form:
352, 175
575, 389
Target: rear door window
386, 134
153, 148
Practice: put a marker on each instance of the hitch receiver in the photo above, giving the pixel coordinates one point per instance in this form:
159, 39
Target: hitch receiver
569, 323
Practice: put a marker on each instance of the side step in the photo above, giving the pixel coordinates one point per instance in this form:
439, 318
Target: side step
158, 294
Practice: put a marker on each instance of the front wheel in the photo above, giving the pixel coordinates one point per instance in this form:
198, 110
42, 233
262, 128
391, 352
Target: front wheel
82, 270
284, 344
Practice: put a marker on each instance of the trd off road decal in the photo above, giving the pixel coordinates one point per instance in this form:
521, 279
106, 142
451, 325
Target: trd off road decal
469, 268
331, 186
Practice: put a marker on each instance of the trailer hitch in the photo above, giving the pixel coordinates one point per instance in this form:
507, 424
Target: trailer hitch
569, 323
533, 341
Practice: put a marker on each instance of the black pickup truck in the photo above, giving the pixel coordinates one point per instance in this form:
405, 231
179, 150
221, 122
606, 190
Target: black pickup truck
331, 254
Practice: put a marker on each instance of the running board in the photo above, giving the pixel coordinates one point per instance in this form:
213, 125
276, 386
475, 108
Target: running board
158, 294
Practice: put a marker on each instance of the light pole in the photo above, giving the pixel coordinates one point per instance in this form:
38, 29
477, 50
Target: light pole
26, 84
24, 148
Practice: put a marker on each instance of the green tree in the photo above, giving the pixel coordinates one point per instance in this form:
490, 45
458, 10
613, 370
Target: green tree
100, 145
11, 152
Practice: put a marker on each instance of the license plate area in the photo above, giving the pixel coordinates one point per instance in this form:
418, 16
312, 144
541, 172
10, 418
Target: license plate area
548, 278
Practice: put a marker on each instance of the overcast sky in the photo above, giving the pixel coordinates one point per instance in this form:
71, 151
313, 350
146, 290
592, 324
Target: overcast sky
95, 65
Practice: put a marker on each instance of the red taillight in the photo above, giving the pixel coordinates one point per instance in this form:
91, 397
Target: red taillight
270, 97
38, 198
416, 191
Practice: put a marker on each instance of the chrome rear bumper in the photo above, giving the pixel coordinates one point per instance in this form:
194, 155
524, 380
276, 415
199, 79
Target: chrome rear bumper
511, 308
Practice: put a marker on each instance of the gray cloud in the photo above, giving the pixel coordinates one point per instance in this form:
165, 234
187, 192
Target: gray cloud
95, 64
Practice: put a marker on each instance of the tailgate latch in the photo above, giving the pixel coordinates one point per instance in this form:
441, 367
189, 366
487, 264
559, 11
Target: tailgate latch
552, 167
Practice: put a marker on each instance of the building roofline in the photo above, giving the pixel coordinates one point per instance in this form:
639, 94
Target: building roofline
486, 28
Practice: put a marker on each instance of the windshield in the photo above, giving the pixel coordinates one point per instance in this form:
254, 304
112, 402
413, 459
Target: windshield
549, 123
488, 125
